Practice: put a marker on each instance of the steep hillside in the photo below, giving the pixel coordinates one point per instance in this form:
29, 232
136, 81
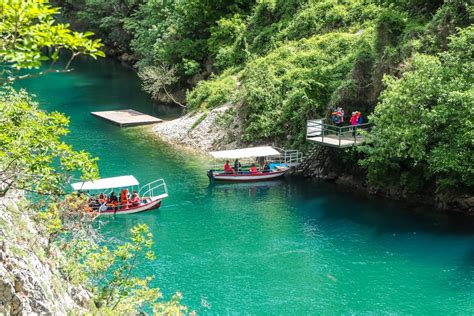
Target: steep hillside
31, 278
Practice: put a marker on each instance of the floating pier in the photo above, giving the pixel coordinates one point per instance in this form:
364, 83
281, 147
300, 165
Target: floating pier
127, 117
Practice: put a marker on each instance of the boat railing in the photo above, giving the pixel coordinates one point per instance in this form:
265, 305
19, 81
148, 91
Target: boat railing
289, 157
154, 189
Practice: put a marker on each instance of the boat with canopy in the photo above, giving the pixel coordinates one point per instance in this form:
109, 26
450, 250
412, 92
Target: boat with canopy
145, 198
261, 165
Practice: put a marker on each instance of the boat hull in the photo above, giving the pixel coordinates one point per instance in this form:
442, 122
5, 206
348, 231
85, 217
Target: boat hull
261, 176
153, 205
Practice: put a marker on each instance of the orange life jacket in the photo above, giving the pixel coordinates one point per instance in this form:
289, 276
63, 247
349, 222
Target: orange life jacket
124, 196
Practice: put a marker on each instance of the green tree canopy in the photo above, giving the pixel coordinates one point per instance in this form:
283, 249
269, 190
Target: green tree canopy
424, 124
30, 36
32, 155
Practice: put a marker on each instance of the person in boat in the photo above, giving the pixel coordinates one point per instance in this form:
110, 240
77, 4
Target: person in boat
266, 166
135, 201
237, 166
113, 201
253, 169
101, 199
227, 168
124, 196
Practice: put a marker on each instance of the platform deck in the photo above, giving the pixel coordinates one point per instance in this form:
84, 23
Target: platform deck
127, 117
336, 141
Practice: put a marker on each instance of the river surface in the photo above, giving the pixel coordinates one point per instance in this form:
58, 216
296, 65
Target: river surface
292, 246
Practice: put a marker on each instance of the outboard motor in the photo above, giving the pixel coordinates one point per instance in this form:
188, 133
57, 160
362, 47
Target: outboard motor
210, 175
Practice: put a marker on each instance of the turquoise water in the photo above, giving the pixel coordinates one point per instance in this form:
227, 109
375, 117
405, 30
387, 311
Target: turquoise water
292, 246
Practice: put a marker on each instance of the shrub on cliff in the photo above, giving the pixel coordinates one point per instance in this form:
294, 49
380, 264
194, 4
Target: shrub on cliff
424, 125
211, 93
283, 89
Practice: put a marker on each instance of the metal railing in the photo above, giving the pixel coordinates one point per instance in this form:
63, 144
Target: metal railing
336, 135
289, 157
153, 189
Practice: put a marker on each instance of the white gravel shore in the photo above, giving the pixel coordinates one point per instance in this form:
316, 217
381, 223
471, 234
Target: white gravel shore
207, 135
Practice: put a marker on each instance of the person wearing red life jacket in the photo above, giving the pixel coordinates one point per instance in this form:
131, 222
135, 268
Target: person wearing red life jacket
253, 169
354, 122
228, 169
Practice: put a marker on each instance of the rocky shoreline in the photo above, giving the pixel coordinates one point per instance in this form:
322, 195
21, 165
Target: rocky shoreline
202, 131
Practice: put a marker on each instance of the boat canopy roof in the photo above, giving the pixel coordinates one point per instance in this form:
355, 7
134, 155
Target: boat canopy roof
263, 151
106, 183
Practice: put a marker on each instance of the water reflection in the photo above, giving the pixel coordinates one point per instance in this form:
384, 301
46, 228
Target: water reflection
335, 203
254, 189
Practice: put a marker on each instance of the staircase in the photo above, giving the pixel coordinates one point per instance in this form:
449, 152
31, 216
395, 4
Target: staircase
313, 162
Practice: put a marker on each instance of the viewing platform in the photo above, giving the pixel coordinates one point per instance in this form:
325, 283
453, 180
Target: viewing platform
335, 136
127, 117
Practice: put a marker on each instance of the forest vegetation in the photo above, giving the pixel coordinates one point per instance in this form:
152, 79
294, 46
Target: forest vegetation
406, 65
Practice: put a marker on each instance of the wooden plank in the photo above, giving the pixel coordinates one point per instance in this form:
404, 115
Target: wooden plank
127, 117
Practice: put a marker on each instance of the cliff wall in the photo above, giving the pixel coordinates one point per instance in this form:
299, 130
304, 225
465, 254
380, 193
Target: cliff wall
30, 278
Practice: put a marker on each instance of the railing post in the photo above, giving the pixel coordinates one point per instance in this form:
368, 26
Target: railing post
355, 135
339, 135
323, 129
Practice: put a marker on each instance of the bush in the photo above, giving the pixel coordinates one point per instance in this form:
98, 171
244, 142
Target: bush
199, 120
293, 83
423, 125
212, 93
390, 27
318, 17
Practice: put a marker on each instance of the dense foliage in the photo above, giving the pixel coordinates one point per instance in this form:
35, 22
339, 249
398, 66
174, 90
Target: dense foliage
32, 155
30, 37
424, 126
281, 62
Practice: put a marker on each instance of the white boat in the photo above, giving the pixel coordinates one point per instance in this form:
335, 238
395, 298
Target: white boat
150, 194
264, 153
247, 177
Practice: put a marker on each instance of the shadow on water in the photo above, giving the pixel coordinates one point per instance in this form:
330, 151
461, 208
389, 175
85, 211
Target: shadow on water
384, 215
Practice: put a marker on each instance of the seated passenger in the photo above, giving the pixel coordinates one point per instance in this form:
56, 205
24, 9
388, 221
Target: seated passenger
237, 166
253, 169
101, 198
135, 199
228, 168
124, 195
266, 167
112, 201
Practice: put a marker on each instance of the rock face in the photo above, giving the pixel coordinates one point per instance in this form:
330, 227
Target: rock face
30, 282
201, 131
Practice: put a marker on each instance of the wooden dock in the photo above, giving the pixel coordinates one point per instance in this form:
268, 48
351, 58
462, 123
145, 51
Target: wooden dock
127, 117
